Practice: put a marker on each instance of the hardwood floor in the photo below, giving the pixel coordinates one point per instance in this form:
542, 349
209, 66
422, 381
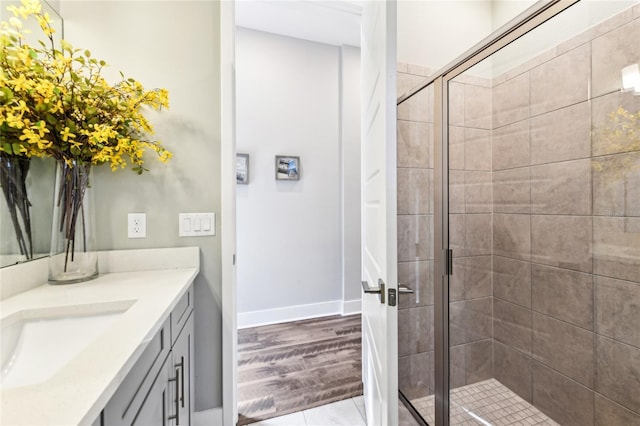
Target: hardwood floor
284, 368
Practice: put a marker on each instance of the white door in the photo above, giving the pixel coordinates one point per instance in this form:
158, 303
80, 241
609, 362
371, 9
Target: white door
379, 236
228, 210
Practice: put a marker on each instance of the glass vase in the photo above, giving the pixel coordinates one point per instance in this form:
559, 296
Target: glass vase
13, 182
74, 257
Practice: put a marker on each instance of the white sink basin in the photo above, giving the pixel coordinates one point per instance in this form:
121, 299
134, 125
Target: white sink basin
38, 343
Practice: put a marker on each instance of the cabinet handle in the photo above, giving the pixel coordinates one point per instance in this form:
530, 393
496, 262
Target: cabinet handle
181, 365
176, 416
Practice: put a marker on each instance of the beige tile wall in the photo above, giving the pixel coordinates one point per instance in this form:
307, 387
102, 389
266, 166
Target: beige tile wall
415, 230
566, 230
471, 201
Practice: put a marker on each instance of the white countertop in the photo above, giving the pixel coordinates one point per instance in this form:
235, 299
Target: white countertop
77, 392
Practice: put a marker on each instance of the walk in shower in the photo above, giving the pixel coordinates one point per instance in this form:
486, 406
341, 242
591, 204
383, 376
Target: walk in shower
519, 225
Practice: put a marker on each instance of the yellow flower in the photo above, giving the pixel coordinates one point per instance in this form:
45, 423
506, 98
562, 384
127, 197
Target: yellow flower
21, 83
57, 107
66, 134
14, 121
40, 126
58, 104
45, 24
15, 23
22, 106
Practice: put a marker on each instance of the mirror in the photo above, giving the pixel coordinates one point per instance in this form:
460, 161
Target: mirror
40, 176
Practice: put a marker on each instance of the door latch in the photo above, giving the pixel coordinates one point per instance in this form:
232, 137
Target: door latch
392, 297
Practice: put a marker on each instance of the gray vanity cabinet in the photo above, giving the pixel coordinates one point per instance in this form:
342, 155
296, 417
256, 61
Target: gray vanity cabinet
159, 388
181, 388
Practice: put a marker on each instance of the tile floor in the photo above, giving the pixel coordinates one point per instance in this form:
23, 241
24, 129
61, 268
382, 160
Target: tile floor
348, 412
485, 403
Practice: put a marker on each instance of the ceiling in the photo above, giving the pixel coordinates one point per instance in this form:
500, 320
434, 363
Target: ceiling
324, 21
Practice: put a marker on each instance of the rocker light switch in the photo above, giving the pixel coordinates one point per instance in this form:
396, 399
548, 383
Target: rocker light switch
196, 224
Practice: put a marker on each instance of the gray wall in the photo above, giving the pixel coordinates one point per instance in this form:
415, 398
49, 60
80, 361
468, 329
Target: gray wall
288, 231
290, 235
174, 45
350, 177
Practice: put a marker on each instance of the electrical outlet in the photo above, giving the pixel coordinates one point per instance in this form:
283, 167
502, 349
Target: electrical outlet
137, 225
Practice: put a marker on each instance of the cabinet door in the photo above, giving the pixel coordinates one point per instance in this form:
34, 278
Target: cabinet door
182, 358
156, 409
124, 405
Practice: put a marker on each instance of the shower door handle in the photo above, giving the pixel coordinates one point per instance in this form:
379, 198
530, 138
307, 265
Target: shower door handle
404, 289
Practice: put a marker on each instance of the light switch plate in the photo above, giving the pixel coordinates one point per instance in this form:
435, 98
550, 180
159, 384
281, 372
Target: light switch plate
196, 224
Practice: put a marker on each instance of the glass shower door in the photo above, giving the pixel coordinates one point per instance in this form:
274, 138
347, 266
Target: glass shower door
543, 141
415, 248
470, 239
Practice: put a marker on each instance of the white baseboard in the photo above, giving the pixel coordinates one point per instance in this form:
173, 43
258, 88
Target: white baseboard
212, 417
298, 312
351, 307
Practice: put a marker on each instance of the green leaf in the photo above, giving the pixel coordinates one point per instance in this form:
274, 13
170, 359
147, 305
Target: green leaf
6, 147
16, 147
66, 46
33, 54
87, 53
6, 95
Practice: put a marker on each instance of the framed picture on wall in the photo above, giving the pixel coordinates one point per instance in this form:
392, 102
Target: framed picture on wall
287, 167
242, 169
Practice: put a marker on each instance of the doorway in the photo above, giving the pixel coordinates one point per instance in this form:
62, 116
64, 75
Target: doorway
298, 250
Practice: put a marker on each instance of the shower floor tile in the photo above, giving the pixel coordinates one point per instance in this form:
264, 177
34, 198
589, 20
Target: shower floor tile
485, 403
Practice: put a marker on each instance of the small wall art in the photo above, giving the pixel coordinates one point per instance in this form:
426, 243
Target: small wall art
287, 167
242, 169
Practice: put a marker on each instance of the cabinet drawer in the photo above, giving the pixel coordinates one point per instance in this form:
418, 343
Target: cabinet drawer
125, 403
180, 314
